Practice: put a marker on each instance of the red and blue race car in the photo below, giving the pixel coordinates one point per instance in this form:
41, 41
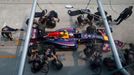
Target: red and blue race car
68, 38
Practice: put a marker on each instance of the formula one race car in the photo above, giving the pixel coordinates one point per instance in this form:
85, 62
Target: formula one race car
69, 38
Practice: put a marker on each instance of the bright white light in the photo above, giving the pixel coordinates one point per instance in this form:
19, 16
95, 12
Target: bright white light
68, 6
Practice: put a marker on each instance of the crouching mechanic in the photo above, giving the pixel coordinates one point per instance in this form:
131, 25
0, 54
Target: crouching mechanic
50, 54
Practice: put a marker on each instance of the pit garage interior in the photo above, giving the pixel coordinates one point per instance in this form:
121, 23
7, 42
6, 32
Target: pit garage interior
14, 13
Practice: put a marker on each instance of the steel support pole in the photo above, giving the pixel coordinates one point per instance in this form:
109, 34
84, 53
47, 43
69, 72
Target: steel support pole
28, 35
112, 44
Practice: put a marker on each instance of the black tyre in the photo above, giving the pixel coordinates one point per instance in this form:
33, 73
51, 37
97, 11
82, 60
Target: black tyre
69, 12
